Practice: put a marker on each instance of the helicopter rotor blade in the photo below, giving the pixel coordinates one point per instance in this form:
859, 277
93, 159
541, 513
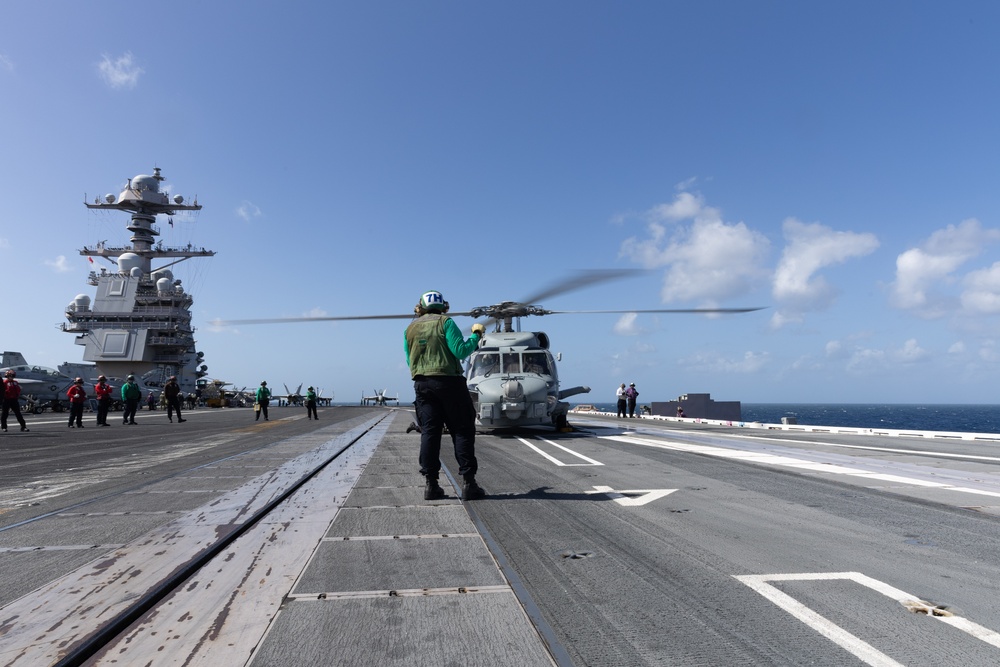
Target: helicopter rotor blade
703, 311
580, 280
285, 320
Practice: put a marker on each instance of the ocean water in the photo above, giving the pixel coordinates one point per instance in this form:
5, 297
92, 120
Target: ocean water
918, 417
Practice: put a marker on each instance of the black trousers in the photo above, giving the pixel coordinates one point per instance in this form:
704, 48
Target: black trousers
631, 407
311, 410
102, 410
76, 413
11, 405
621, 407
131, 407
263, 411
173, 404
445, 401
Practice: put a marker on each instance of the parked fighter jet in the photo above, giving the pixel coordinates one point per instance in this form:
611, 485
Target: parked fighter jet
379, 398
41, 387
291, 397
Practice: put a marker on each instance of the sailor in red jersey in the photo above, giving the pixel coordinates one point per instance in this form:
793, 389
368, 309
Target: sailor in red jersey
103, 391
76, 395
11, 401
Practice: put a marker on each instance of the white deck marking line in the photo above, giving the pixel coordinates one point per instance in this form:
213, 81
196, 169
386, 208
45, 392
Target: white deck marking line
859, 648
892, 450
400, 593
788, 461
590, 462
648, 495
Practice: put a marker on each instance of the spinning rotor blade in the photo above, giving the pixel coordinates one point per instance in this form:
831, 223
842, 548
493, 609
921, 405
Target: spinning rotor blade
285, 320
657, 310
580, 280
511, 309
282, 320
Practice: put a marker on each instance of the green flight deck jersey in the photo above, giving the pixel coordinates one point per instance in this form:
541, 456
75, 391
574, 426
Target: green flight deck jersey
434, 345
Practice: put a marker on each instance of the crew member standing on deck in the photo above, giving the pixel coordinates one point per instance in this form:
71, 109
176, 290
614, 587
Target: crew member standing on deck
630, 395
11, 395
103, 392
263, 398
172, 392
76, 395
434, 348
131, 395
621, 400
311, 403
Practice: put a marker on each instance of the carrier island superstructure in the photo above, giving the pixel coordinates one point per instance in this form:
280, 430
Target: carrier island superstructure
140, 319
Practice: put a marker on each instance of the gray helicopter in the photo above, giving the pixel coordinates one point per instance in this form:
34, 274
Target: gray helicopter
512, 374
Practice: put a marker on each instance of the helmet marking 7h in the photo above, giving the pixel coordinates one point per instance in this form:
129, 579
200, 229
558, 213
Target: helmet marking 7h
433, 301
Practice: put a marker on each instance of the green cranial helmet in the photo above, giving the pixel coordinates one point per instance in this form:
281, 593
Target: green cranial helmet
433, 301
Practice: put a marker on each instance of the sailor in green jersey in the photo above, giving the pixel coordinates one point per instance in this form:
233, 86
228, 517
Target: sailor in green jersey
263, 398
131, 394
434, 348
311, 403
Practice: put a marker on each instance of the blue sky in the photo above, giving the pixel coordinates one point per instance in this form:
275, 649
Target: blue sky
836, 163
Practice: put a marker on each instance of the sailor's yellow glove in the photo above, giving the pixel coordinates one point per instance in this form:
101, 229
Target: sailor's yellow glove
478, 328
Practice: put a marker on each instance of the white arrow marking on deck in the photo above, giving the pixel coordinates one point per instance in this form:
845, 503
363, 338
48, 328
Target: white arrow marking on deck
623, 497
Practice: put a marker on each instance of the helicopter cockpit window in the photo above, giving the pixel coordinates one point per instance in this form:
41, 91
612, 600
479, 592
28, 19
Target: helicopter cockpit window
511, 363
536, 362
485, 364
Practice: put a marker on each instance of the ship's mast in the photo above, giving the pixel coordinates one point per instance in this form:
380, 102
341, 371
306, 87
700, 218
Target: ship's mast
140, 322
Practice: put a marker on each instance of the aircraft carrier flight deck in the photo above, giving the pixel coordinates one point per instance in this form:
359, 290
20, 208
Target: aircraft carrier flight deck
225, 541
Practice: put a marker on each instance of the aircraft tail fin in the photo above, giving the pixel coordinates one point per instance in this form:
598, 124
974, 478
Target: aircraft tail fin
13, 359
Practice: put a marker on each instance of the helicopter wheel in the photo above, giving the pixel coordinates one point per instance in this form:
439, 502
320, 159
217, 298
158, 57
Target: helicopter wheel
561, 422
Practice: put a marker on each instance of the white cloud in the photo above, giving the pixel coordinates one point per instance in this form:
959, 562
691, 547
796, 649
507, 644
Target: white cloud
248, 210
4, 243
626, 325
834, 348
6, 63
982, 294
706, 259
866, 360
957, 348
810, 248
910, 352
315, 312
59, 264
989, 353
121, 72
923, 274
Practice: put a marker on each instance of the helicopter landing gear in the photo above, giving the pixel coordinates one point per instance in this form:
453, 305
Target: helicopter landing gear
562, 424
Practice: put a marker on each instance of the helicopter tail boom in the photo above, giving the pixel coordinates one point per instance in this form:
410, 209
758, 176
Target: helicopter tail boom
573, 391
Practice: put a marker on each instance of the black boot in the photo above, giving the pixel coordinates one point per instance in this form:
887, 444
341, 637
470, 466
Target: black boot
471, 490
433, 490
412, 427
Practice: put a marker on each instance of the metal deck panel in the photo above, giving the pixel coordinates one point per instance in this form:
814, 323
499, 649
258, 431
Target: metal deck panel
393, 497
21, 572
82, 530
399, 478
473, 630
391, 564
421, 520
